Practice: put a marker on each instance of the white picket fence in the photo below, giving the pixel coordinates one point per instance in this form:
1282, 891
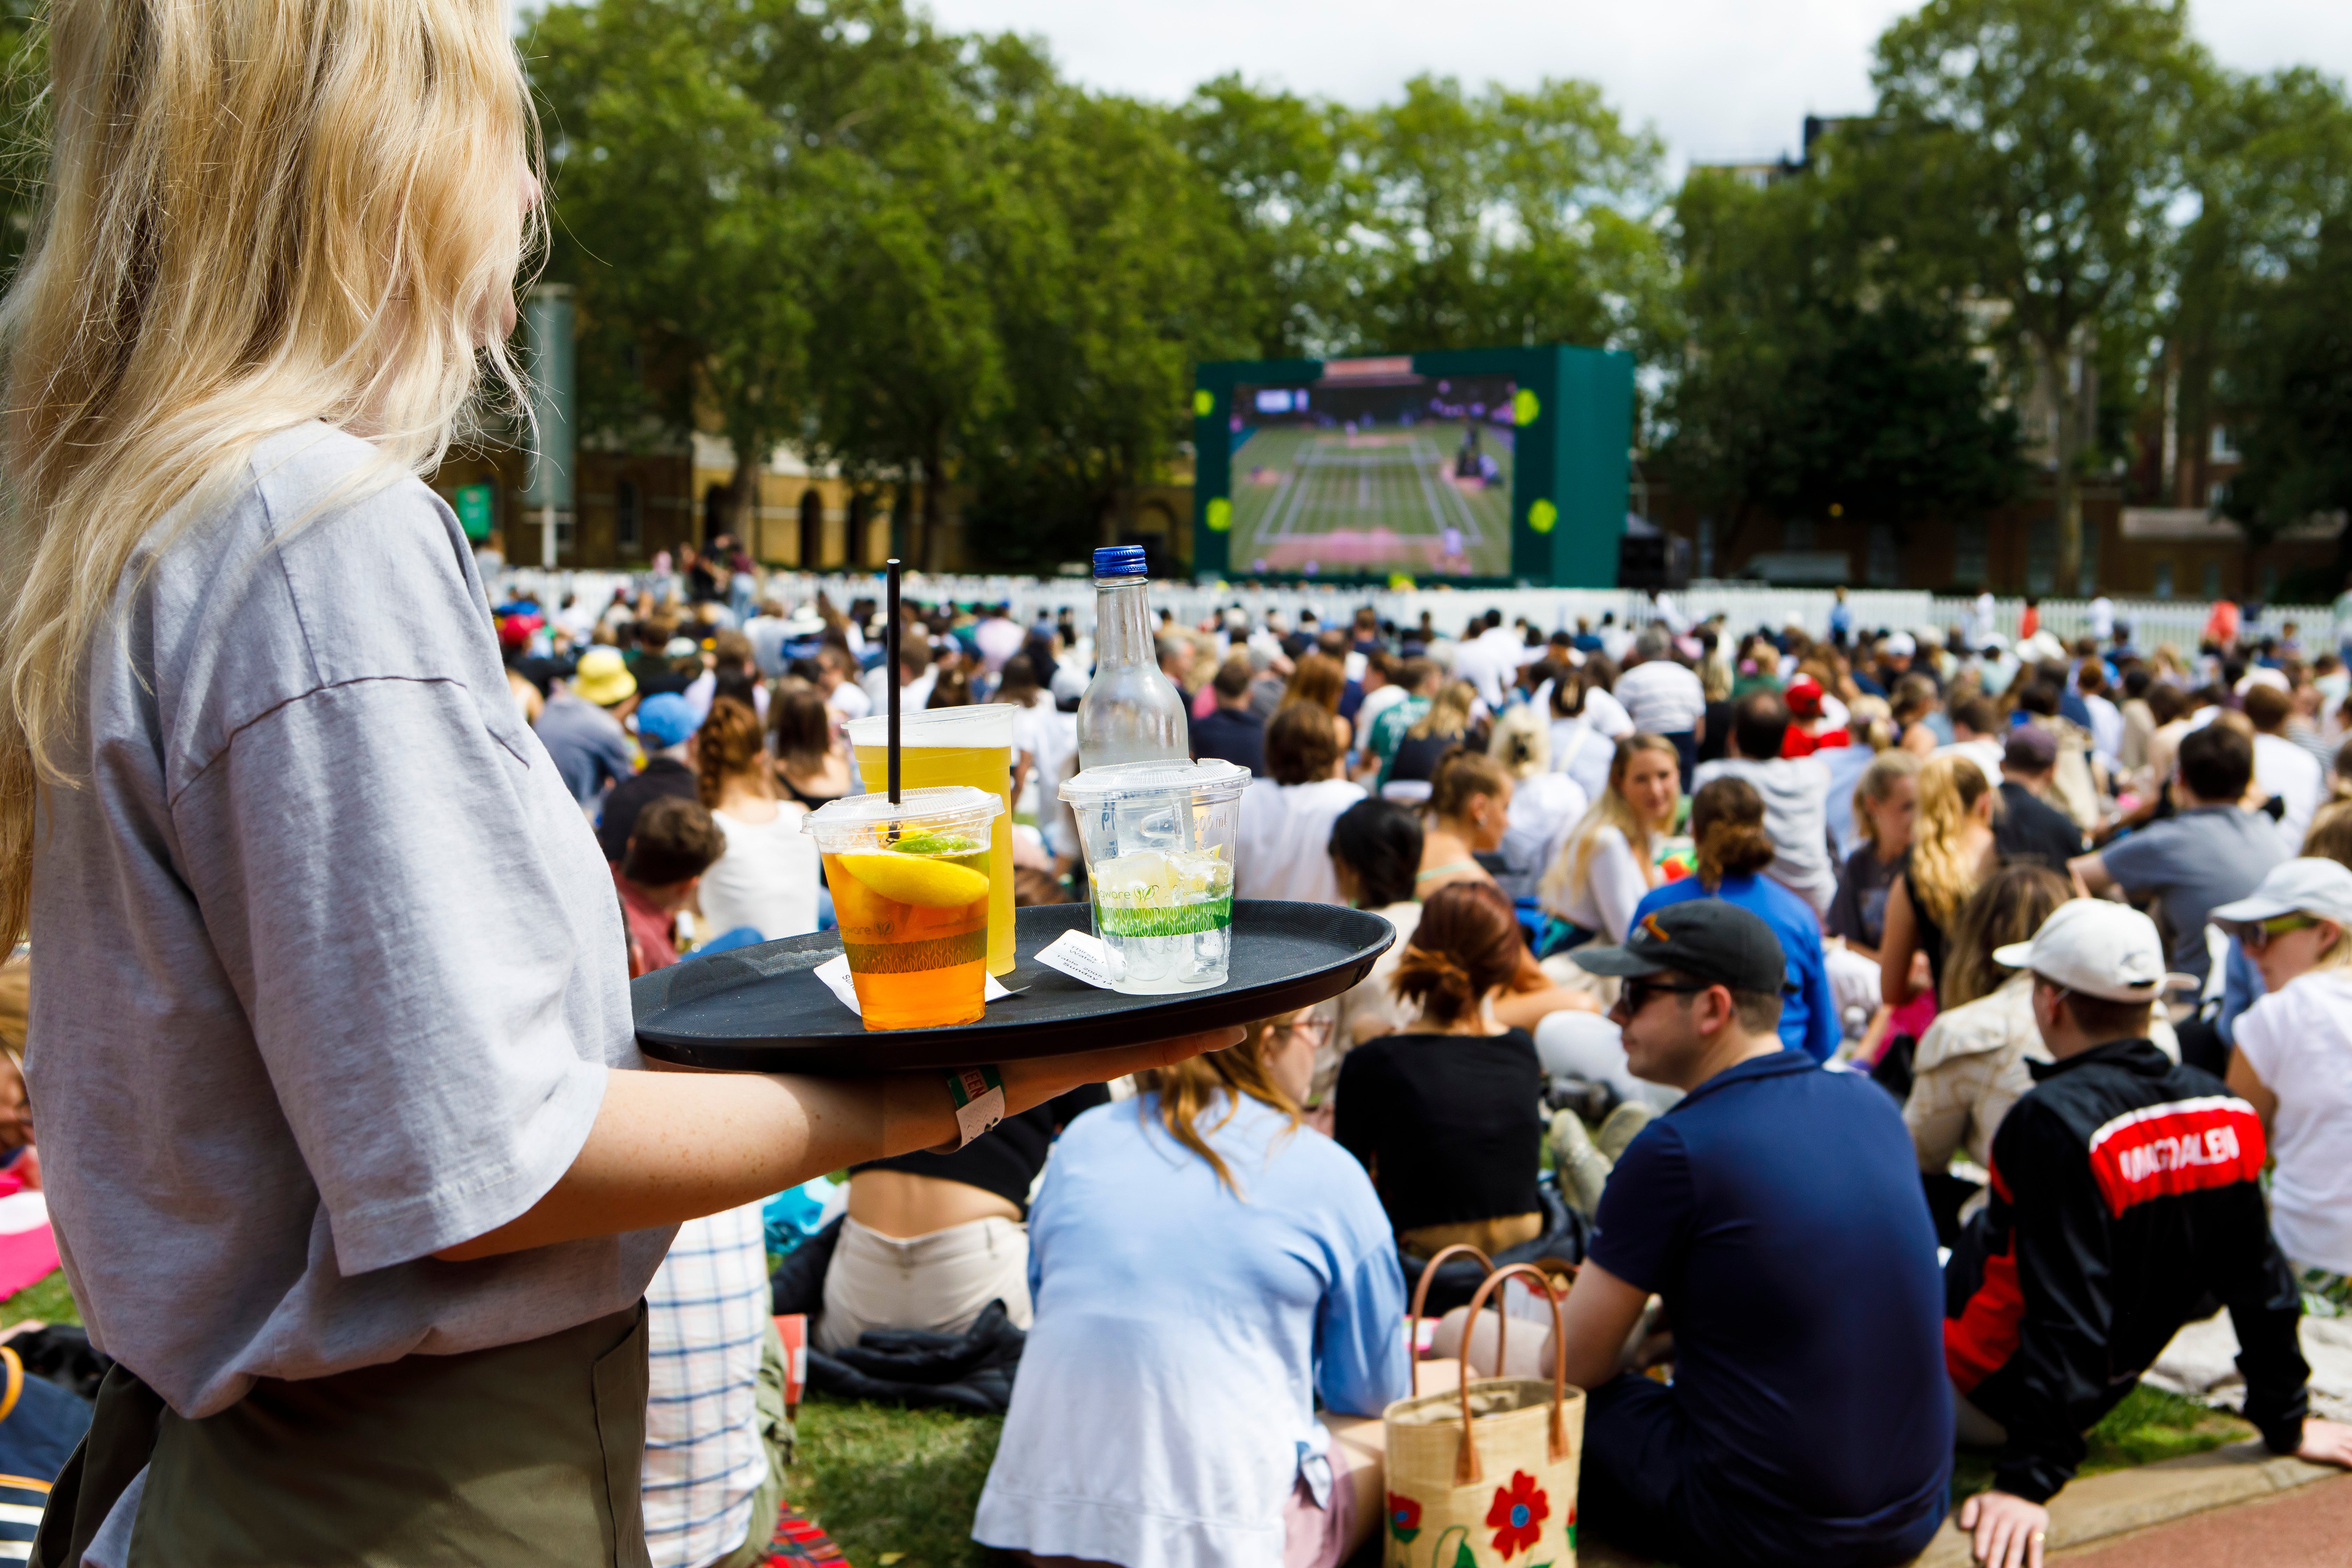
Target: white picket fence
1745, 606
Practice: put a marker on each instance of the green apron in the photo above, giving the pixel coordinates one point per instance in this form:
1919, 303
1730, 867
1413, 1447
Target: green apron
520, 1455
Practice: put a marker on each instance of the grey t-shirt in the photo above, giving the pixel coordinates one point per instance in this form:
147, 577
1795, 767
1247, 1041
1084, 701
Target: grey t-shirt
2190, 863
1796, 792
328, 971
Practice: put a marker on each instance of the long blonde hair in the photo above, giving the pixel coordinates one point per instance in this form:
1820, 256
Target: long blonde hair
254, 215
1941, 876
1568, 869
1449, 712
1187, 1090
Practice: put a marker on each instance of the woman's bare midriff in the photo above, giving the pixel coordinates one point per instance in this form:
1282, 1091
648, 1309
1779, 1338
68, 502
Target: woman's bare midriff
902, 1205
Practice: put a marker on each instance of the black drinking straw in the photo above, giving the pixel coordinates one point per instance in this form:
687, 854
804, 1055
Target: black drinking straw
890, 631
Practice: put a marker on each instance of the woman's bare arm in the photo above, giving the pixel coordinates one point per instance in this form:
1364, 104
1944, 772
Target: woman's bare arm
1901, 939
673, 1146
2248, 1086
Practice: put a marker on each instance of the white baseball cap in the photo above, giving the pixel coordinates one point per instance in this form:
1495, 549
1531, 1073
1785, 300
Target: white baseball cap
2096, 947
1900, 646
2309, 886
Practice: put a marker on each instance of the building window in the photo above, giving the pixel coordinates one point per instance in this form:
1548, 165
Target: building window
2214, 493
2270, 584
1706, 547
2164, 579
2223, 450
1797, 533
1884, 567
628, 525
2086, 573
2213, 579
1969, 569
2041, 556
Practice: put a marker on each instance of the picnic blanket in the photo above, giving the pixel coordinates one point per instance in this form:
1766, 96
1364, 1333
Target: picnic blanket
28, 1250
2201, 1363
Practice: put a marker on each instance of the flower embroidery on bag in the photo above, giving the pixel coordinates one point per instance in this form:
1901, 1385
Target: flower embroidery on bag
1404, 1517
1517, 1518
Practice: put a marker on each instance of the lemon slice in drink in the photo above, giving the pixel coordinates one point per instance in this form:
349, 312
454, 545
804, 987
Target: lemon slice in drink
912, 880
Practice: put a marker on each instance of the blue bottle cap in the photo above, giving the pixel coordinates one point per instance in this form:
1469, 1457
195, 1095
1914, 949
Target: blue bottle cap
1119, 561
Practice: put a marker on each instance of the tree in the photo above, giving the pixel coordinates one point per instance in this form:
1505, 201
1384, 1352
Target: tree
1815, 377
2291, 391
676, 139
2056, 130
1503, 217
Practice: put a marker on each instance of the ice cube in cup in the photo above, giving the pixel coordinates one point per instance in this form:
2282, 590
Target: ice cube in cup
1159, 842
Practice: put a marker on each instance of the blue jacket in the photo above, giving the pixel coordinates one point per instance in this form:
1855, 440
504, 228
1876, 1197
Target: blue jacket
1808, 1016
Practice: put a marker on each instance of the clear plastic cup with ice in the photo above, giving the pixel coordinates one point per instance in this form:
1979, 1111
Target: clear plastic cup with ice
1159, 843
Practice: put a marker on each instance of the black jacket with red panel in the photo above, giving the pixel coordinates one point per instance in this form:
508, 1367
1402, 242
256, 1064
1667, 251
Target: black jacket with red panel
2125, 1195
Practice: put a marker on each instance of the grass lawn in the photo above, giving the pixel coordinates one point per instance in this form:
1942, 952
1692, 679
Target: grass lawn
2148, 1425
895, 1488
45, 1300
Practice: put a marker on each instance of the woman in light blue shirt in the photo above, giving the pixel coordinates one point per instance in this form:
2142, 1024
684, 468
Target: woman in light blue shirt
1203, 1266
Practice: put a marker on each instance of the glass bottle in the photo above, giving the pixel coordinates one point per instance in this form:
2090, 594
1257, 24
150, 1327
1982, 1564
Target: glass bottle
1131, 712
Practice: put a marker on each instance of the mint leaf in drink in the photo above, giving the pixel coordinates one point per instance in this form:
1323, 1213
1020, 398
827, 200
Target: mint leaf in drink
933, 842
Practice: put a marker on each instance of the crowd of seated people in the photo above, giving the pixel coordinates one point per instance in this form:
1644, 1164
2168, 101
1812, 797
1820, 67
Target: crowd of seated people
1781, 945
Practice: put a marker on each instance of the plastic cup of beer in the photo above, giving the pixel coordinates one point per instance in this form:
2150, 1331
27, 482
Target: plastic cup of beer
1159, 842
939, 747
910, 893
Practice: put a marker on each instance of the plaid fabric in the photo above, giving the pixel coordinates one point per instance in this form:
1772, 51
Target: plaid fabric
704, 1457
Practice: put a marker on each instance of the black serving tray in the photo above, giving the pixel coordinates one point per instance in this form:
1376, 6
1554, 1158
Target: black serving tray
760, 1009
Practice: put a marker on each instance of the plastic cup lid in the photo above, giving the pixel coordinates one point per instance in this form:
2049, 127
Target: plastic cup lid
979, 724
1210, 779
952, 805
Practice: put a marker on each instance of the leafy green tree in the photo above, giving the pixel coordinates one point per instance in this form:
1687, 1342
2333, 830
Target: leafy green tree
2290, 390
23, 126
1815, 378
1502, 217
2055, 130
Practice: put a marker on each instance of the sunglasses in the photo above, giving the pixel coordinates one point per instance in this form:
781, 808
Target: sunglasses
2256, 935
1636, 993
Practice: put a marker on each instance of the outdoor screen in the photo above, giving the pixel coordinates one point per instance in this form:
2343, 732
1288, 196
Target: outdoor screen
1365, 474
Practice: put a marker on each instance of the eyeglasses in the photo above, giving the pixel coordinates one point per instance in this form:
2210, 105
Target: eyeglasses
1313, 1029
1637, 994
2255, 935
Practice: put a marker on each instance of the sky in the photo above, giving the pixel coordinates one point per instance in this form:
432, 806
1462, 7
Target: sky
1723, 80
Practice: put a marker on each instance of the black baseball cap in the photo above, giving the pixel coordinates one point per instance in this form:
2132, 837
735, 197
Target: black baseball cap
1713, 942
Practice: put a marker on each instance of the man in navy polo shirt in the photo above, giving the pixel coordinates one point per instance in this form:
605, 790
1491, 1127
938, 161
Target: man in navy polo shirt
1777, 1209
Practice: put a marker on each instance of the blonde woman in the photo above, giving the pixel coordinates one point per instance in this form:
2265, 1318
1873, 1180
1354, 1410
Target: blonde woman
1544, 805
1468, 812
1885, 803
1610, 857
368, 1239
1196, 1240
1438, 731
1952, 851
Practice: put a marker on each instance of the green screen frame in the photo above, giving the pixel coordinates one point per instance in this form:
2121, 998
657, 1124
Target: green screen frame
1569, 475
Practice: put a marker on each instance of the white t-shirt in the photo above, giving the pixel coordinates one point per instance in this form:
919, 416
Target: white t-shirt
1607, 715
1543, 809
767, 878
1612, 886
1661, 698
2295, 775
2299, 1040
1583, 753
1283, 850
849, 701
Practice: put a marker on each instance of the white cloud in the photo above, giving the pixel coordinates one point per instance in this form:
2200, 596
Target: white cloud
1722, 80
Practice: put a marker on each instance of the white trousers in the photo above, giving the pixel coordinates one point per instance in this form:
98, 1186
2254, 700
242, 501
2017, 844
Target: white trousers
938, 1283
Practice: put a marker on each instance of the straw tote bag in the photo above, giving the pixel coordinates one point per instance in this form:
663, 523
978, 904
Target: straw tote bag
1485, 1475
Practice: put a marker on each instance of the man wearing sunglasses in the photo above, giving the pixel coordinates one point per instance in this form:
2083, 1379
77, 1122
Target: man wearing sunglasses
1777, 1209
2125, 1193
